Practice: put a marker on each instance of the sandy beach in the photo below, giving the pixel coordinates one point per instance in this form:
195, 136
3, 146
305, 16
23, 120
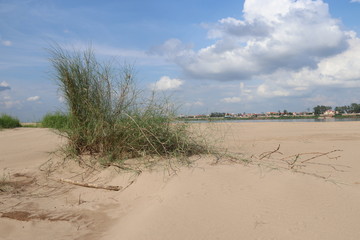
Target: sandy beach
297, 180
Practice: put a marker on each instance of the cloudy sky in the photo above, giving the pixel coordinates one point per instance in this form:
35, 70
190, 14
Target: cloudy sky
209, 56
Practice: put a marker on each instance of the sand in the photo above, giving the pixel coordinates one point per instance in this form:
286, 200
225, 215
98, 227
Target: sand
302, 181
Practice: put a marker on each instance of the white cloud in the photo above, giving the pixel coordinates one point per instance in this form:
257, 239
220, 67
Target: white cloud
241, 29
140, 57
231, 100
321, 100
171, 48
268, 10
336, 72
167, 83
282, 48
196, 103
264, 90
355, 0
6, 100
278, 34
6, 43
33, 99
4, 86
9, 104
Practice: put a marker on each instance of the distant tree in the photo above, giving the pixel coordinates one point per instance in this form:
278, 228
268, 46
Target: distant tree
341, 110
320, 109
285, 112
217, 114
355, 108
352, 108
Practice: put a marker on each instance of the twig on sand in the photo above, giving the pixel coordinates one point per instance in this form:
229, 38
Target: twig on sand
90, 185
322, 154
298, 162
292, 164
317, 155
268, 154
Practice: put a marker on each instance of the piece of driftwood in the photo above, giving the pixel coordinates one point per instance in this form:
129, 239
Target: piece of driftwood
90, 185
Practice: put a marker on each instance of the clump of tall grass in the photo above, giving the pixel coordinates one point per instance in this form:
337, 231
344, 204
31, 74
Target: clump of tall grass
109, 118
55, 120
7, 121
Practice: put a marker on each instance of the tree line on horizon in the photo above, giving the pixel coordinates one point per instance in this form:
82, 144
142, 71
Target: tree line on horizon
352, 108
318, 110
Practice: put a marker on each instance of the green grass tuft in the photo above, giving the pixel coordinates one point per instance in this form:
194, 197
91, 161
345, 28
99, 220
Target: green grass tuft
108, 117
55, 120
7, 121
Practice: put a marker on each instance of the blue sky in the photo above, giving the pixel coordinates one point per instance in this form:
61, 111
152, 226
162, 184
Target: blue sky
231, 56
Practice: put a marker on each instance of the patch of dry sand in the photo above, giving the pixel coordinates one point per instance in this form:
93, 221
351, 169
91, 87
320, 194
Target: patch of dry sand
265, 199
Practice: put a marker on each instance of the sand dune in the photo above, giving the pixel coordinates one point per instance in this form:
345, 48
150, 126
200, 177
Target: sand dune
302, 182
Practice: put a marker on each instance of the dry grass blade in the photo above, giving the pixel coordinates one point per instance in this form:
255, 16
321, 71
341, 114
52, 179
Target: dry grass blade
90, 185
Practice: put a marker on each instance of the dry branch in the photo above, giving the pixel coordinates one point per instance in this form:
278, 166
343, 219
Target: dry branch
317, 155
90, 185
268, 154
299, 161
292, 164
322, 154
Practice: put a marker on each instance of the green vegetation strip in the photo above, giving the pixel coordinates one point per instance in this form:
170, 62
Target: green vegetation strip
7, 121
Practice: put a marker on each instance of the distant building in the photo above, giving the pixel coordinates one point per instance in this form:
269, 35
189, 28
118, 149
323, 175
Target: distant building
329, 113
